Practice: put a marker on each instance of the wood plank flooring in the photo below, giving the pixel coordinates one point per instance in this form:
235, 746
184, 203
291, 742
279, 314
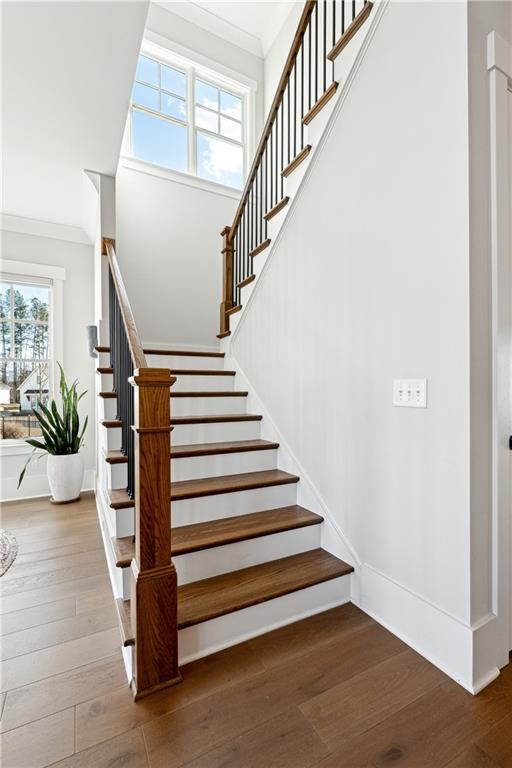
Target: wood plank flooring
333, 691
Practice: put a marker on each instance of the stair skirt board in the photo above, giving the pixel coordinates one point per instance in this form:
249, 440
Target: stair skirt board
215, 432
195, 383
233, 628
170, 361
198, 467
207, 406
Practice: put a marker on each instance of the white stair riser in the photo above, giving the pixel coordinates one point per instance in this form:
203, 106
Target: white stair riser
182, 361
222, 464
207, 406
211, 636
203, 384
117, 476
242, 554
203, 466
111, 439
217, 432
121, 522
203, 508
109, 407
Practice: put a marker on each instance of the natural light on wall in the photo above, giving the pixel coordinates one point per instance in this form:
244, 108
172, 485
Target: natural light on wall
184, 120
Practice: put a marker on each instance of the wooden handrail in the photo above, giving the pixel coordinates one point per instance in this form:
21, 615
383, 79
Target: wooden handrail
281, 86
136, 350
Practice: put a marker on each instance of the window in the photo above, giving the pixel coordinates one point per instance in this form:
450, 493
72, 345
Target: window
24, 354
184, 120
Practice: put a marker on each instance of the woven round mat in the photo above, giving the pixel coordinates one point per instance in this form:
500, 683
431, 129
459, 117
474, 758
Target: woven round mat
8, 550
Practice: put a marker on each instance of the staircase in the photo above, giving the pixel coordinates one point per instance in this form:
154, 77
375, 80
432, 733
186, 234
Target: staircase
238, 537
205, 541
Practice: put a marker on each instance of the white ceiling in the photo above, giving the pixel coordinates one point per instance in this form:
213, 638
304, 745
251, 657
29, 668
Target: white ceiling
250, 24
67, 72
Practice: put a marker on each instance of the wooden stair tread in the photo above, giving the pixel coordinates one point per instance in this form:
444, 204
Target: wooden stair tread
125, 622
247, 281
277, 208
202, 449
104, 369
171, 352
245, 481
351, 30
215, 418
112, 423
259, 248
211, 449
229, 592
216, 533
220, 393
211, 486
297, 160
212, 419
320, 103
111, 395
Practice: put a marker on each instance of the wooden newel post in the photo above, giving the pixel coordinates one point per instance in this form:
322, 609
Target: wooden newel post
227, 281
154, 589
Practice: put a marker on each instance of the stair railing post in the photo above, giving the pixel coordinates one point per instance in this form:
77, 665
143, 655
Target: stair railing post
227, 280
154, 587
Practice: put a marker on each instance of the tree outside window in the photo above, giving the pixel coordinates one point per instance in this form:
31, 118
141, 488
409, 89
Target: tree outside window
24, 356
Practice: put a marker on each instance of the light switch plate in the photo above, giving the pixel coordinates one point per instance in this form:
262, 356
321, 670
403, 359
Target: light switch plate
410, 393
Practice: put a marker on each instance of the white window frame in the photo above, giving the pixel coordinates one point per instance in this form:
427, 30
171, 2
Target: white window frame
196, 67
26, 272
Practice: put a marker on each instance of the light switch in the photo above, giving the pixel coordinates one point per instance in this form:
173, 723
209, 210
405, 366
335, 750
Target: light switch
410, 393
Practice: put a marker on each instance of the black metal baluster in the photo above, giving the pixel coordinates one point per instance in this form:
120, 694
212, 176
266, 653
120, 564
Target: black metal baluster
316, 52
302, 92
295, 107
324, 58
353, 9
310, 24
342, 17
281, 106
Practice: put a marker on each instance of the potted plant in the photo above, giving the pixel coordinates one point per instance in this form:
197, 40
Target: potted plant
61, 439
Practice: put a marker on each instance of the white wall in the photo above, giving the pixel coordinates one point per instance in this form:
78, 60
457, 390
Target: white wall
169, 249
370, 281
78, 311
278, 52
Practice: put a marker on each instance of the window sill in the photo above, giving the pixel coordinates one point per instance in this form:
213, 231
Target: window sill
16, 448
160, 172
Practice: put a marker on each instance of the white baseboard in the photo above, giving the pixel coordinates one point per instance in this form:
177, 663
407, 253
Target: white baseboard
438, 636
35, 486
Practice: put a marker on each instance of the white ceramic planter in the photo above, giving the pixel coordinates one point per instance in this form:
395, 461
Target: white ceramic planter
65, 476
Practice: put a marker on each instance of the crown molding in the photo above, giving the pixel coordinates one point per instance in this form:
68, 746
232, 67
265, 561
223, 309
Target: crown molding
26, 226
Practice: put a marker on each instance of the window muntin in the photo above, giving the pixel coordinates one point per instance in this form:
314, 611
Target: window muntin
186, 123
24, 355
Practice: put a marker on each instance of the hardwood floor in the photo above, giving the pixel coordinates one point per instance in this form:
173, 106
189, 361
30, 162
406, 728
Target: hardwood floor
334, 691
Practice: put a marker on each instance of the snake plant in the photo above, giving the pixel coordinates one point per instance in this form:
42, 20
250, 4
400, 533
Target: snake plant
61, 433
